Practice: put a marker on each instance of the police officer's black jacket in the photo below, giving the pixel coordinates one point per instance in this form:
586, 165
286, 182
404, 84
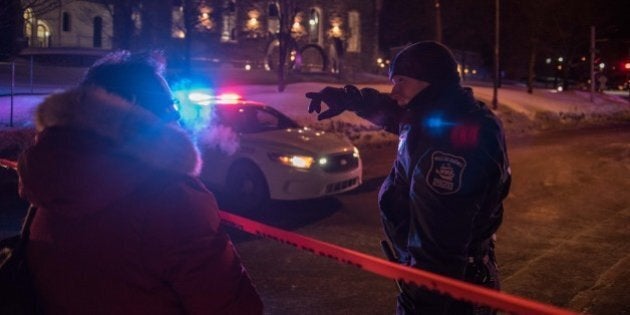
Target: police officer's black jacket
442, 200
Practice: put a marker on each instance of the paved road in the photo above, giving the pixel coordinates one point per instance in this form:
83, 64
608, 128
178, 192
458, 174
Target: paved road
565, 237
564, 240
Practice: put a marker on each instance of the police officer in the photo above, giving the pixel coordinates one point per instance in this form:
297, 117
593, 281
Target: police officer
442, 201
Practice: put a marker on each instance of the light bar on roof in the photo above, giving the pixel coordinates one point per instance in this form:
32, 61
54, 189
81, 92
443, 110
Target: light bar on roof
199, 96
228, 97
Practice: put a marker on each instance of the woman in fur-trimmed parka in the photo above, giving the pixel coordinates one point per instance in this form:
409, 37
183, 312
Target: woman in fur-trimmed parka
123, 225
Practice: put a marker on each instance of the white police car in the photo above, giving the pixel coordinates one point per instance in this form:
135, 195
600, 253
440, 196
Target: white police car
252, 153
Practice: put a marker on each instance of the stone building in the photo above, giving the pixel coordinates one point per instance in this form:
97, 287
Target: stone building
325, 35
72, 24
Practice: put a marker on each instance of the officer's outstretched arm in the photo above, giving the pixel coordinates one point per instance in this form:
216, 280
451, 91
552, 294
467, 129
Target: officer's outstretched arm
368, 103
380, 109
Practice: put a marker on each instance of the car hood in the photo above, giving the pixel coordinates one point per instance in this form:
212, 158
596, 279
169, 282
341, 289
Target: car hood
302, 139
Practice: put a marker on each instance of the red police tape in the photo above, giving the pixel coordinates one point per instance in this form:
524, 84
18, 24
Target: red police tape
8, 164
457, 289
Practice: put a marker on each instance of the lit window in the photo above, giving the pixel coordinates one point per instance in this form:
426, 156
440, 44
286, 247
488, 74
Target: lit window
335, 30
297, 29
228, 33
43, 35
28, 25
252, 25
314, 26
273, 18
354, 25
205, 21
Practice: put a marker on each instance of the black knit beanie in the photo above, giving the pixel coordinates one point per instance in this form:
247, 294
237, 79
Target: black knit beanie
427, 61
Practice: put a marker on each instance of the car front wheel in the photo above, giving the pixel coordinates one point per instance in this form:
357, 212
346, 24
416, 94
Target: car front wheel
246, 187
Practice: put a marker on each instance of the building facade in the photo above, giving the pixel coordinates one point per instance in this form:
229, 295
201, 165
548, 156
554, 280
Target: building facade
323, 35
73, 24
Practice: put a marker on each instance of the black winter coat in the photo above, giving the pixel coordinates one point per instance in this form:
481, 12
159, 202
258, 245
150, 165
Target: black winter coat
442, 200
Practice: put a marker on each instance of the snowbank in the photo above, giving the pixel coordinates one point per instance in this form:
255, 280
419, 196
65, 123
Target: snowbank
520, 112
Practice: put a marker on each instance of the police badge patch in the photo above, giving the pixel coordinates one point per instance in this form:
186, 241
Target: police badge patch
445, 174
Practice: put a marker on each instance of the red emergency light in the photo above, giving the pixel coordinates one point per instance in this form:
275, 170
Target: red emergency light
228, 97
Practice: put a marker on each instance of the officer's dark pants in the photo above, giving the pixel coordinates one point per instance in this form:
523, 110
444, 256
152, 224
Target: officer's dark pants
481, 270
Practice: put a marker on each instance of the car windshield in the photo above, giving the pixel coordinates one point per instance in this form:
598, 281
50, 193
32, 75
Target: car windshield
252, 119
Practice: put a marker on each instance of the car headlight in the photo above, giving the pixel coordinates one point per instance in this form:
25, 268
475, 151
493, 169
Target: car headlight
355, 152
297, 161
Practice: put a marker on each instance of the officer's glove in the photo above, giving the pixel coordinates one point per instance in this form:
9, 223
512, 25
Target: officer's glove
337, 99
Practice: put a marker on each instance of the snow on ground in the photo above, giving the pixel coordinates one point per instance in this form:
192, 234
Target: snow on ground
18, 111
520, 112
293, 103
549, 100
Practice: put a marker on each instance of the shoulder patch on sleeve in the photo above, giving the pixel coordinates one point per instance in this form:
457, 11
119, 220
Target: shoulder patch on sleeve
444, 176
465, 136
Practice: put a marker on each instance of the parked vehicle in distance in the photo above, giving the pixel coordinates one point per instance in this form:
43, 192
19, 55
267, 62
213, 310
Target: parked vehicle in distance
253, 153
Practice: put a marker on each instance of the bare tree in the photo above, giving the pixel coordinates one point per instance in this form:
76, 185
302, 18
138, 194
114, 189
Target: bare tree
156, 23
9, 27
197, 19
122, 17
556, 29
287, 14
44, 6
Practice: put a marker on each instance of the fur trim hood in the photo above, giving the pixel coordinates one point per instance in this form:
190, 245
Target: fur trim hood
137, 132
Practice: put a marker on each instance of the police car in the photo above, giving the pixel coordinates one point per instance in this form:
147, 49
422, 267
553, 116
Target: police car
253, 153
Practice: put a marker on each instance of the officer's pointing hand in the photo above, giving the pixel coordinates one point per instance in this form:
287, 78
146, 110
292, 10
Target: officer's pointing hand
337, 99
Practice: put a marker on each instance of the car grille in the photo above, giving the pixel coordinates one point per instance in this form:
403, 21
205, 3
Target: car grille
340, 163
339, 186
